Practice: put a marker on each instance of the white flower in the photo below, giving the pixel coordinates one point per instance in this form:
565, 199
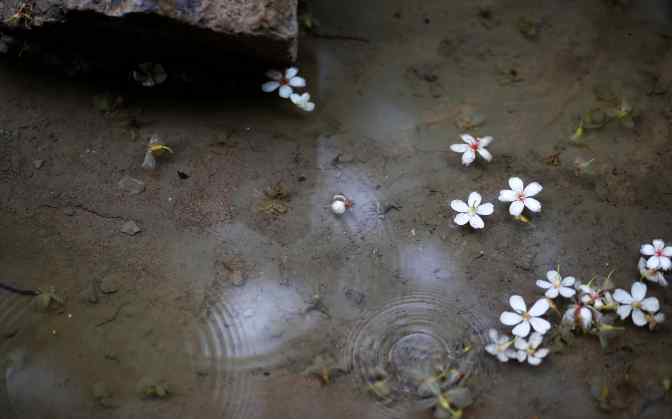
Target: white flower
659, 255
578, 315
652, 275
471, 211
597, 298
520, 197
522, 318
556, 285
500, 346
473, 145
303, 101
635, 303
528, 349
283, 82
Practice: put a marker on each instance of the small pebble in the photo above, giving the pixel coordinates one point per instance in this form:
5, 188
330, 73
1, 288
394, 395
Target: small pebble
38, 163
130, 228
131, 185
69, 211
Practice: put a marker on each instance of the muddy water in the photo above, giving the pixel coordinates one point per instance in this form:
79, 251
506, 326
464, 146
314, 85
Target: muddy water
230, 306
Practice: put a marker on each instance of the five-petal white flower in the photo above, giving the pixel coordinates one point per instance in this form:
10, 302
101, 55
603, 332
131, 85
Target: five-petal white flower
530, 349
634, 302
578, 315
303, 101
500, 346
473, 145
557, 285
471, 211
520, 196
522, 318
283, 82
659, 255
652, 275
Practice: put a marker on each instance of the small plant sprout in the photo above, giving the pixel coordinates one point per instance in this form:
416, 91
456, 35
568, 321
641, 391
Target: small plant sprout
303, 101
471, 211
283, 83
500, 346
451, 403
530, 349
652, 275
473, 145
556, 285
155, 148
659, 255
522, 319
635, 303
340, 204
150, 74
578, 316
521, 196
578, 132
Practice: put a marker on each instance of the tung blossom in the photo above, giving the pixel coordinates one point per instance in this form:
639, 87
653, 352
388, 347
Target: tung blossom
578, 315
303, 101
520, 196
471, 211
659, 255
635, 303
522, 319
652, 275
530, 349
500, 346
473, 145
283, 82
556, 285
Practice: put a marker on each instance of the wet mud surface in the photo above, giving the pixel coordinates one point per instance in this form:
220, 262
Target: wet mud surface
233, 302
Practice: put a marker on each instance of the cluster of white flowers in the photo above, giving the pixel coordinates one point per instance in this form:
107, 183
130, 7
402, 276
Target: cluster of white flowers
589, 309
285, 83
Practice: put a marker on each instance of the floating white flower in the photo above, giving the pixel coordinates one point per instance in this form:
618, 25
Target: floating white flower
303, 101
283, 82
557, 285
600, 299
578, 315
520, 196
659, 255
522, 318
635, 303
652, 275
471, 211
530, 349
473, 145
500, 346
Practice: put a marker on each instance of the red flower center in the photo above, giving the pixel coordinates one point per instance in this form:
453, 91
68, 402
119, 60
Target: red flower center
659, 252
474, 146
284, 82
521, 196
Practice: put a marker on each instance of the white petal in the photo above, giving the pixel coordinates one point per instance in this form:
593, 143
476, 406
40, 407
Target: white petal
517, 303
461, 219
485, 209
291, 72
285, 91
474, 199
535, 340
658, 244
553, 276
533, 360
493, 335
543, 284
485, 154
542, 353
270, 86
485, 141
521, 344
653, 262
638, 291
651, 304
586, 317
539, 308
622, 296
516, 184
468, 157
624, 311
507, 195
459, 148
551, 293
522, 330
476, 222
665, 263
459, 206
297, 82
491, 349
274, 75
516, 208
667, 251
540, 325
532, 204
642, 265
503, 357
532, 189
297, 99
309, 107
638, 318
521, 355
468, 139
567, 292
568, 281
647, 250
510, 319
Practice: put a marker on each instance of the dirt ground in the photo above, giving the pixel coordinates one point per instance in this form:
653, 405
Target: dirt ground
233, 304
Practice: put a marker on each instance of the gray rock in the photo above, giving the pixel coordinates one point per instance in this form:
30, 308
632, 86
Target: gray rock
130, 228
131, 185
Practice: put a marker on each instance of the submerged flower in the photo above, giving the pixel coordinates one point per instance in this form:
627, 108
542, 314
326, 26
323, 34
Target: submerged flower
557, 285
471, 211
283, 82
652, 275
578, 315
500, 346
530, 349
659, 255
473, 145
635, 303
303, 101
520, 196
522, 318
